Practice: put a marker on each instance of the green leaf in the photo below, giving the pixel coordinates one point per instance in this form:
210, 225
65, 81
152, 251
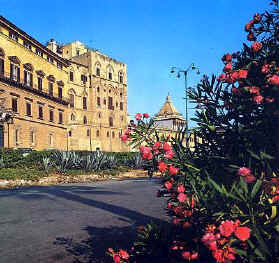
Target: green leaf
256, 188
254, 155
266, 156
215, 185
243, 186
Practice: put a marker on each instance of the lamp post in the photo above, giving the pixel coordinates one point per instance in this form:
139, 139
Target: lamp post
180, 71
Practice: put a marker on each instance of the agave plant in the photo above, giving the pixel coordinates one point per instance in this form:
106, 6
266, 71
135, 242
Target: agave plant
64, 161
47, 164
135, 161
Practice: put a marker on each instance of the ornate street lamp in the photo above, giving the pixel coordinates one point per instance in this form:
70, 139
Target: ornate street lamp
6, 116
180, 71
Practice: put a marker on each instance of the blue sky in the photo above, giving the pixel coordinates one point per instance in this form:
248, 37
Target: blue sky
149, 36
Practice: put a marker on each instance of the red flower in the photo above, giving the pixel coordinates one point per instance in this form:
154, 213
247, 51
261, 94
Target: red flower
169, 154
266, 69
173, 170
244, 171
228, 67
180, 188
274, 80
275, 198
116, 258
168, 185
195, 256
156, 152
242, 233
258, 99
222, 77
251, 37
257, 46
146, 153
176, 221
182, 197
218, 254
208, 238
186, 224
242, 74
146, 115
124, 254
138, 116
186, 255
227, 58
236, 91
254, 90
249, 178
166, 147
269, 100
124, 138
162, 167
257, 18
249, 26
127, 132
156, 145
226, 228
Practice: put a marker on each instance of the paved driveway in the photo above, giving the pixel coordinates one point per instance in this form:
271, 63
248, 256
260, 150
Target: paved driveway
74, 223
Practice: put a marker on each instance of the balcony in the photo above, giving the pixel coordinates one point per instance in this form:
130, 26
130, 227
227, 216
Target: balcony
34, 89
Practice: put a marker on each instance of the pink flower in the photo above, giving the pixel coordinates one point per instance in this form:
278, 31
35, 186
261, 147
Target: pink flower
244, 171
182, 197
266, 69
124, 138
227, 58
138, 116
146, 153
222, 77
124, 254
249, 26
168, 185
166, 147
146, 115
180, 188
208, 238
176, 221
169, 154
242, 233
274, 80
162, 167
226, 228
257, 46
269, 100
258, 99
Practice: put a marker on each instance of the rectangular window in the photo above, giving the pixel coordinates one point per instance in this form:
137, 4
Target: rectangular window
84, 102
51, 115
59, 65
50, 59
41, 116
72, 100
60, 92
110, 104
1, 66
28, 109
14, 104
60, 117
121, 105
39, 52
27, 44
50, 88
71, 76
98, 101
83, 78
98, 71
110, 75
28, 78
14, 72
40, 83
13, 36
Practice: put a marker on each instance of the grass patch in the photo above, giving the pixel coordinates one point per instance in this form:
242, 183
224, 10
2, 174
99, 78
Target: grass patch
21, 174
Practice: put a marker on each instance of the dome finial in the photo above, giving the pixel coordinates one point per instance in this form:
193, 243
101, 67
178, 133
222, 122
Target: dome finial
168, 97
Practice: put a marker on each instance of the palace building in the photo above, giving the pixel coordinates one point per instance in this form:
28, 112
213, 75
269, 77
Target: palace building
67, 97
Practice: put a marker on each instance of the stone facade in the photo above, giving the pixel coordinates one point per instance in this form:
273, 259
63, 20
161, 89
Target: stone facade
65, 97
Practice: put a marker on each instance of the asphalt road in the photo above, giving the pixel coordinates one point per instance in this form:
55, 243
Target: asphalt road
75, 223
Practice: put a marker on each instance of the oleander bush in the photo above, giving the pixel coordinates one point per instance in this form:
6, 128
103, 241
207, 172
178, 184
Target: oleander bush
223, 194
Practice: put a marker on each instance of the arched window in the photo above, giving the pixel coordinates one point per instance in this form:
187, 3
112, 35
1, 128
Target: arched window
98, 69
2, 59
110, 122
120, 76
73, 117
113, 135
110, 72
97, 133
107, 134
84, 120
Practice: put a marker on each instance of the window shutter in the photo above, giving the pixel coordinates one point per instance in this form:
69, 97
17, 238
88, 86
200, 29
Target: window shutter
25, 77
31, 80
1, 66
18, 74
11, 71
